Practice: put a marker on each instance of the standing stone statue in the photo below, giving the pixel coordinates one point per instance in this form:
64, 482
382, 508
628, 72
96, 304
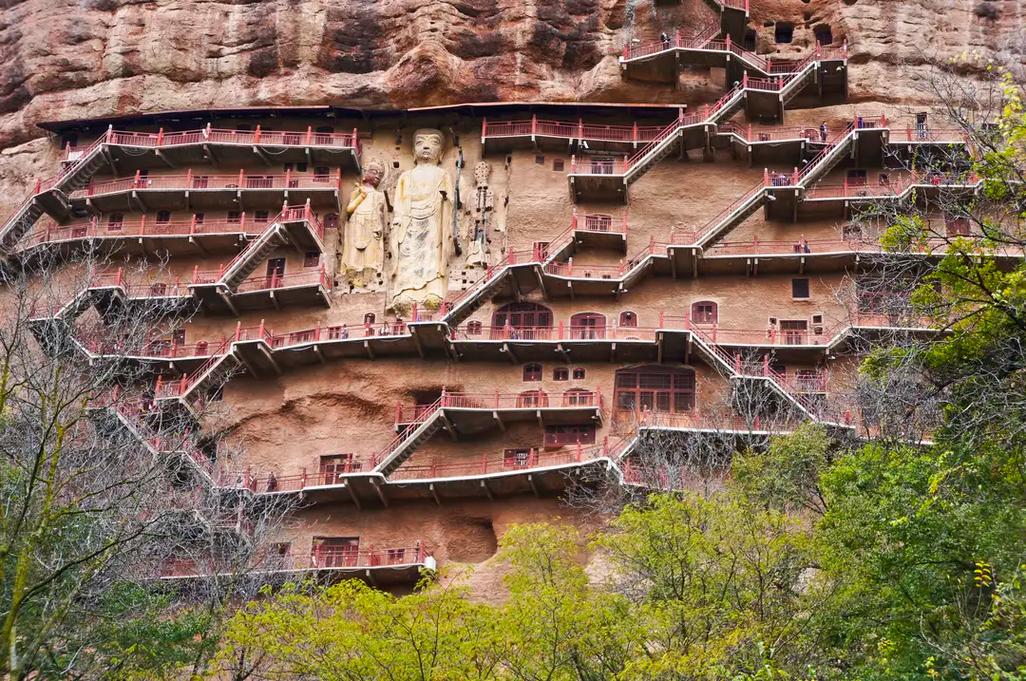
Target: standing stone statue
484, 201
421, 240
363, 253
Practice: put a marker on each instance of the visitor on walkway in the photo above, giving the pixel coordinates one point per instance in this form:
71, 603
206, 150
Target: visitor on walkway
823, 132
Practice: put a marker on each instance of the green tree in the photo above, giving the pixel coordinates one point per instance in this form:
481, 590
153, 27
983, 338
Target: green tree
718, 585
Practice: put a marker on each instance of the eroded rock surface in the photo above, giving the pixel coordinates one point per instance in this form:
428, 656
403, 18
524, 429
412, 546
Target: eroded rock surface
88, 58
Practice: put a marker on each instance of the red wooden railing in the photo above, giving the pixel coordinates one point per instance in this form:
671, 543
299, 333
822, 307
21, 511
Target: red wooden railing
145, 225
407, 415
258, 136
200, 181
320, 558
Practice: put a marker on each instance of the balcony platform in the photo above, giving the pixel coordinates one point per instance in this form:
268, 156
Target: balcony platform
598, 186
613, 345
777, 263
196, 191
130, 150
413, 481
173, 239
303, 288
468, 420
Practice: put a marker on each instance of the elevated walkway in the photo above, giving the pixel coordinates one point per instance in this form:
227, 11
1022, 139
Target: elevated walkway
601, 178
134, 151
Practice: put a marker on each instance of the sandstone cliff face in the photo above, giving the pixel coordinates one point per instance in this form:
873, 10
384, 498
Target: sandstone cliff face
87, 58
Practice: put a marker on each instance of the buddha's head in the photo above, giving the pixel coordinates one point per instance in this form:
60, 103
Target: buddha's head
428, 144
373, 172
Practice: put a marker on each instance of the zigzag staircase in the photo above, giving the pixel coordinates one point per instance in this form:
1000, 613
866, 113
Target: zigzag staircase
724, 108
126, 418
736, 369
210, 374
54, 190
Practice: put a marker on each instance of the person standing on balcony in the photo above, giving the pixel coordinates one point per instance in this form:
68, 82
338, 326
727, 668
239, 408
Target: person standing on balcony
823, 132
363, 253
421, 239
665, 40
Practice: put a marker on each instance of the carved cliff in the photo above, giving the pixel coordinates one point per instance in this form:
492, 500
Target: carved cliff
64, 59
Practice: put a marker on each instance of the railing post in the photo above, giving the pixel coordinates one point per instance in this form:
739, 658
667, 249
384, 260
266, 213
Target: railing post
242, 175
744, 79
728, 42
580, 129
634, 132
534, 125
309, 134
160, 137
677, 42
765, 177
559, 329
142, 224
138, 178
256, 134
484, 127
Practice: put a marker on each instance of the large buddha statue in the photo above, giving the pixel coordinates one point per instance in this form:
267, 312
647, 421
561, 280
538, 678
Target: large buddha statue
363, 250
421, 240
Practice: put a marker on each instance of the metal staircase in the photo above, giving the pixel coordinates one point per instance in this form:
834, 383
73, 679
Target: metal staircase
254, 253
396, 452
213, 372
